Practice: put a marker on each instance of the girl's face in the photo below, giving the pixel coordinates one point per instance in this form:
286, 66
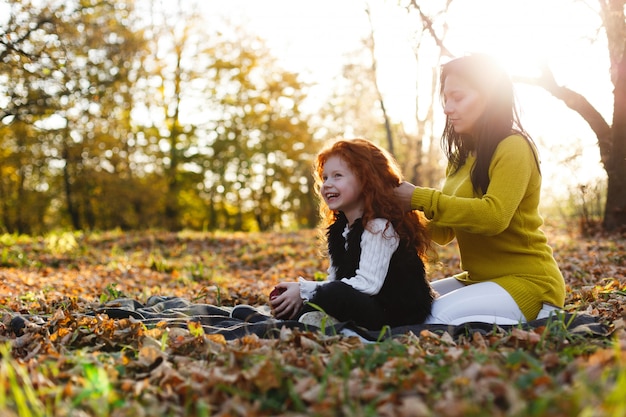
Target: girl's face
463, 104
341, 189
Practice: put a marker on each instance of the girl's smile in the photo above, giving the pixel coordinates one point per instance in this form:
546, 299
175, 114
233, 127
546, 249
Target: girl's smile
341, 189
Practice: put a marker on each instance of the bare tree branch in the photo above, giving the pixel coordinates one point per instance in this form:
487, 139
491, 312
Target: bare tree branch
13, 45
578, 103
428, 24
372, 48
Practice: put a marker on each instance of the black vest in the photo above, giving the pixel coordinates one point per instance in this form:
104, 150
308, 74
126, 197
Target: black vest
406, 295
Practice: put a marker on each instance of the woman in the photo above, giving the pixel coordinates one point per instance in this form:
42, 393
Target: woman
376, 275
488, 203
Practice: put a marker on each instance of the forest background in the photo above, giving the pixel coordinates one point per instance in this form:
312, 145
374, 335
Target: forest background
157, 148
177, 115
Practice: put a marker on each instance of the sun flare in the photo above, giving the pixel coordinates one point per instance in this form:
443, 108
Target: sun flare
522, 35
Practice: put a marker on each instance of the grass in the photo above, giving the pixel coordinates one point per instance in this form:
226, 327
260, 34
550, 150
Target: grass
73, 364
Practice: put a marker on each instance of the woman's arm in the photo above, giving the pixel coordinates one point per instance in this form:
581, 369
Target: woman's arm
510, 173
439, 234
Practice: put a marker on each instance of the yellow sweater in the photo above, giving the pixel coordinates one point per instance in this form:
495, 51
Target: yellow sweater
498, 234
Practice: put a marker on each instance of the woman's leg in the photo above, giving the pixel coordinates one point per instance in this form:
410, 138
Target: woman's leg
446, 285
547, 310
483, 302
344, 303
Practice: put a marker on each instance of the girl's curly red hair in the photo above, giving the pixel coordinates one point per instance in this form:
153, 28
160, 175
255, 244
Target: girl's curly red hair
379, 174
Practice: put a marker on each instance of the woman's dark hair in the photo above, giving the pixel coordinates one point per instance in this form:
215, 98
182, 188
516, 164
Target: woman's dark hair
499, 119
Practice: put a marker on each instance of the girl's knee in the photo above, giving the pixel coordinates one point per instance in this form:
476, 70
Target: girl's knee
333, 293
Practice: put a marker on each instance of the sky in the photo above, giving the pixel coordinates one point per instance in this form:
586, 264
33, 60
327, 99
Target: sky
314, 37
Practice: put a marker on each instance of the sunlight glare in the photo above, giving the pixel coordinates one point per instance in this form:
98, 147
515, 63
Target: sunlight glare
521, 35
314, 39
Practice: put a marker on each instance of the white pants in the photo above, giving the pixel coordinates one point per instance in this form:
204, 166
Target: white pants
485, 302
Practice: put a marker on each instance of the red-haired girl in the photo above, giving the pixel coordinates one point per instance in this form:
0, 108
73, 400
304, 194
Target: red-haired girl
376, 248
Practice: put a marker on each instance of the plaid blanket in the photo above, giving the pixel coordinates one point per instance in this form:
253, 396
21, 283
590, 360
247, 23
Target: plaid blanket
178, 312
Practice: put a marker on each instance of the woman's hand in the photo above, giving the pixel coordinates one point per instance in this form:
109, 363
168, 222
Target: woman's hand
286, 305
404, 192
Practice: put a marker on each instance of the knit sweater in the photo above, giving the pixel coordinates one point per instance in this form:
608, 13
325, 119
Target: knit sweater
374, 261
378, 243
498, 233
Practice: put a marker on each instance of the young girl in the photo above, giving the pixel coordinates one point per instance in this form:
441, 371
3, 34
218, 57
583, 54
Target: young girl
489, 203
376, 275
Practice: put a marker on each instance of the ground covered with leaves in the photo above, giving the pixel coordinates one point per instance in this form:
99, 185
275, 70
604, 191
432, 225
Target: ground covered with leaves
71, 364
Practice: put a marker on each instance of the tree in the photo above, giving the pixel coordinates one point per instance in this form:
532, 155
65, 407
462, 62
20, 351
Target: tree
261, 147
25, 58
421, 164
224, 123
67, 69
614, 150
370, 43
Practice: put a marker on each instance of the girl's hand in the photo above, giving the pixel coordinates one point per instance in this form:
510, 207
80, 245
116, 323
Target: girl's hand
288, 303
404, 192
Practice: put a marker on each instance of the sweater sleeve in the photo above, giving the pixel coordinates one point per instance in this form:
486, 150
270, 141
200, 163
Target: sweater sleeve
441, 235
510, 171
308, 288
378, 243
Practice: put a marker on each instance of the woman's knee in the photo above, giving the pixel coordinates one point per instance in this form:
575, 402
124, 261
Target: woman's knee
446, 285
485, 302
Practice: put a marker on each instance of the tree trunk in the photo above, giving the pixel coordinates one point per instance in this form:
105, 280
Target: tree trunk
611, 139
372, 49
615, 210
172, 205
69, 198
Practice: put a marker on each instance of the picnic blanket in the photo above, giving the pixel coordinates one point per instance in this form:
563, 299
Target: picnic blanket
177, 312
